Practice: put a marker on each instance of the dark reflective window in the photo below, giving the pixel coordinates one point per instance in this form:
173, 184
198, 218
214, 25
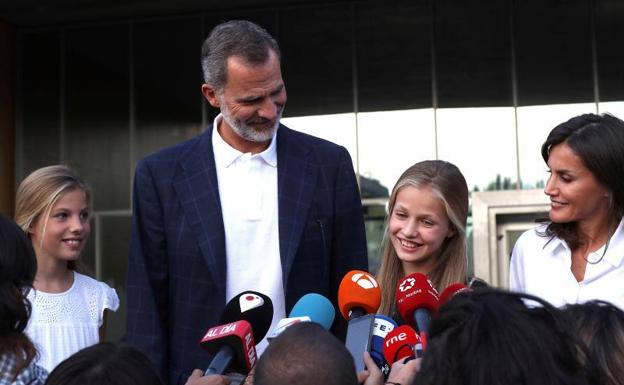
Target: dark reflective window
39, 104
317, 66
609, 43
393, 55
167, 81
97, 132
554, 57
115, 233
473, 53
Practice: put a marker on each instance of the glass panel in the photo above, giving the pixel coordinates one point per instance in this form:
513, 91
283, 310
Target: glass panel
167, 111
374, 221
39, 101
391, 141
553, 51
97, 112
614, 108
339, 128
115, 233
481, 142
534, 125
610, 56
317, 67
393, 55
473, 53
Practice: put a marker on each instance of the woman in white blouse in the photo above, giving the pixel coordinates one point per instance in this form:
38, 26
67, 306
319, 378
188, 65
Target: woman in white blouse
578, 255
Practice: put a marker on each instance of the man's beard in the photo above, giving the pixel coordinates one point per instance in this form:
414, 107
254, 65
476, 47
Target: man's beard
248, 132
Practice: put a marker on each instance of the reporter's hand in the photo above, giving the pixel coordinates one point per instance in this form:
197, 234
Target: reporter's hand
404, 373
198, 378
372, 375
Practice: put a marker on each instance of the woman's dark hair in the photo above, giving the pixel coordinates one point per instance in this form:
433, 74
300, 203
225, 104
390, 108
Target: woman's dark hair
18, 266
491, 337
106, 363
599, 141
600, 326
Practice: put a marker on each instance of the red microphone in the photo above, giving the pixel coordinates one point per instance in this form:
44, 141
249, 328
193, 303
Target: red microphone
358, 294
402, 342
233, 345
416, 299
451, 290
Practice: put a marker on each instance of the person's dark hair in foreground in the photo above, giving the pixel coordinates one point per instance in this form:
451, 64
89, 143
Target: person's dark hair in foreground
106, 363
305, 354
18, 266
600, 326
491, 337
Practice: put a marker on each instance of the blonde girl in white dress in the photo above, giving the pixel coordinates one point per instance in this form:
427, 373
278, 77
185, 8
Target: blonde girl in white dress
68, 308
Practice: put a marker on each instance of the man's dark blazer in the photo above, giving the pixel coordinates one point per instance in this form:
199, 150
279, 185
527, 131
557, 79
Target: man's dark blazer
177, 263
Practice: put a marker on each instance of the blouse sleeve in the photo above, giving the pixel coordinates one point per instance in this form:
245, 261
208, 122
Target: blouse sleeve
110, 301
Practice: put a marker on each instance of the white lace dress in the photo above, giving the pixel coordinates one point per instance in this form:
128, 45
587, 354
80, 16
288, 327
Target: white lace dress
63, 323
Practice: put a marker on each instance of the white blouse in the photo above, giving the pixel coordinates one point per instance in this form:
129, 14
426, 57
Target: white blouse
63, 323
541, 266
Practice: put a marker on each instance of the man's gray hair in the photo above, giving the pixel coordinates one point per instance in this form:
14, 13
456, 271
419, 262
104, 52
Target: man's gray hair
234, 38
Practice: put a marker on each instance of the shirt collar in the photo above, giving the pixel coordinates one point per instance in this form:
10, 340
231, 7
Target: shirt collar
225, 154
615, 251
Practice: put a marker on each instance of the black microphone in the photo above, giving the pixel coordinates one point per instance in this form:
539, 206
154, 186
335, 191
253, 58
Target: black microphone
245, 320
253, 307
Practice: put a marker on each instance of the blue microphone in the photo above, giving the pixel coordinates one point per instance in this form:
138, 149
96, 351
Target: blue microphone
311, 307
317, 307
381, 327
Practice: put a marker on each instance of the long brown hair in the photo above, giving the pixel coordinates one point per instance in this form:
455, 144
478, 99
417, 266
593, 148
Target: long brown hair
449, 185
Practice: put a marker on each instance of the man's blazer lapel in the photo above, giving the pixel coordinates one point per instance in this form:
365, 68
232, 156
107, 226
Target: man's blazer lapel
295, 188
198, 191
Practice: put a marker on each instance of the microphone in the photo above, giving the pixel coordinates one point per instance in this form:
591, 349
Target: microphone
317, 307
451, 290
381, 327
233, 341
232, 345
400, 343
311, 307
253, 307
358, 296
416, 299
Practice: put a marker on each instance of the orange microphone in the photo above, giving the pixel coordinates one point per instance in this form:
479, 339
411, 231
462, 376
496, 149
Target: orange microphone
359, 297
358, 294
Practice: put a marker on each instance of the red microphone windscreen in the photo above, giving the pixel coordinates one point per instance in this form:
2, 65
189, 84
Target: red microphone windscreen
450, 291
399, 343
239, 337
358, 289
415, 292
